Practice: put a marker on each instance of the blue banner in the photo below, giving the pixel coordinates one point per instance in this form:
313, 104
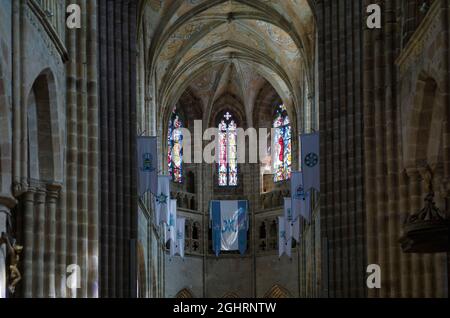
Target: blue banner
229, 223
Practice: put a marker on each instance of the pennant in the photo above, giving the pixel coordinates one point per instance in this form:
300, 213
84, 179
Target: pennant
229, 223
284, 238
301, 199
147, 163
310, 145
171, 225
177, 244
292, 219
162, 200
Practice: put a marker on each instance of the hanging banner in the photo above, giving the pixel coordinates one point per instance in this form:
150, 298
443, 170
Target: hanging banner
301, 199
292, 219
162, 200
171, 226
229, 223
284, 238
310, 152
147, 163
177, 245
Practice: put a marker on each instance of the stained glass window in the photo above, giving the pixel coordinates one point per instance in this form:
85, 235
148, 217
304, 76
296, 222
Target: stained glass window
282, 144
175, 143
228, 168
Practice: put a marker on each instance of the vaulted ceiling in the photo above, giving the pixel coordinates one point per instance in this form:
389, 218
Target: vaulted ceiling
217, 47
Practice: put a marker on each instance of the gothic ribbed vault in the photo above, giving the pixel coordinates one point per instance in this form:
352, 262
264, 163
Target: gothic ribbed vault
227, 46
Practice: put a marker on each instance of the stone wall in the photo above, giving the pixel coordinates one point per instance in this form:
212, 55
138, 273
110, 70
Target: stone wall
382, 126
48, 76
406, 88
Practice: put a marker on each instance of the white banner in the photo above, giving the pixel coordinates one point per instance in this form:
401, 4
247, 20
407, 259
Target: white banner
301, 199
284, 238
147, 163
177, 245
162, 200
292, 219
171, 225
310, 145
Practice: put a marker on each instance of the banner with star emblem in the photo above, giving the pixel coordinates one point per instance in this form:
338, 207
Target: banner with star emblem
229, 222
310, 149
177, 244
147, 163
284, 238
171, 226
292, 219
162, 200
301, 199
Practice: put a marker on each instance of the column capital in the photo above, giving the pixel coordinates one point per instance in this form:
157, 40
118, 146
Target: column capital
29, 194
53, 190
40, 195
413, 174
7, 200
19, 188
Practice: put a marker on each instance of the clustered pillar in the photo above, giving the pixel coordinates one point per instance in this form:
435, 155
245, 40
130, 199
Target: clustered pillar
118, 129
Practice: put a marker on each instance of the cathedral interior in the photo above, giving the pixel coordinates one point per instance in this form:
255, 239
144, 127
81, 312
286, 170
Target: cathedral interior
74, 100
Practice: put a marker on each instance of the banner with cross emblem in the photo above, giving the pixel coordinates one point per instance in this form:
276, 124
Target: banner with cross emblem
229, 223
301, 199
310, 150
292, 219
147, 165
178, 243
284, 237
171, 226
162, 200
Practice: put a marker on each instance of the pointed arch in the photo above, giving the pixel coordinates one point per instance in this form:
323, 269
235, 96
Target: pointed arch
185, 293
230, 295
44, 138
276, 292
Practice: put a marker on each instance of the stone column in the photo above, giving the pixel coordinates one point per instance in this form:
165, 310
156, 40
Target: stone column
39, 245
28, 243
4, 214
50, 270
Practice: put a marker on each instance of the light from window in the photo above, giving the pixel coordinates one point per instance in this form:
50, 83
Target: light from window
228, 169
282, 143
175, 143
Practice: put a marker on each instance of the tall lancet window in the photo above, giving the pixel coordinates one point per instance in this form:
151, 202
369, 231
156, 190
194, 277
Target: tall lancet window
228, 169
282, 143
175, 146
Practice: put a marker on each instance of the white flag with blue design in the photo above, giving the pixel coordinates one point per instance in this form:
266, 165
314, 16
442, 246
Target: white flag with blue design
171, 225
162, 200
292, 219
310, 145
284, 238
301, 199
147, 164
229, 221
177, 245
